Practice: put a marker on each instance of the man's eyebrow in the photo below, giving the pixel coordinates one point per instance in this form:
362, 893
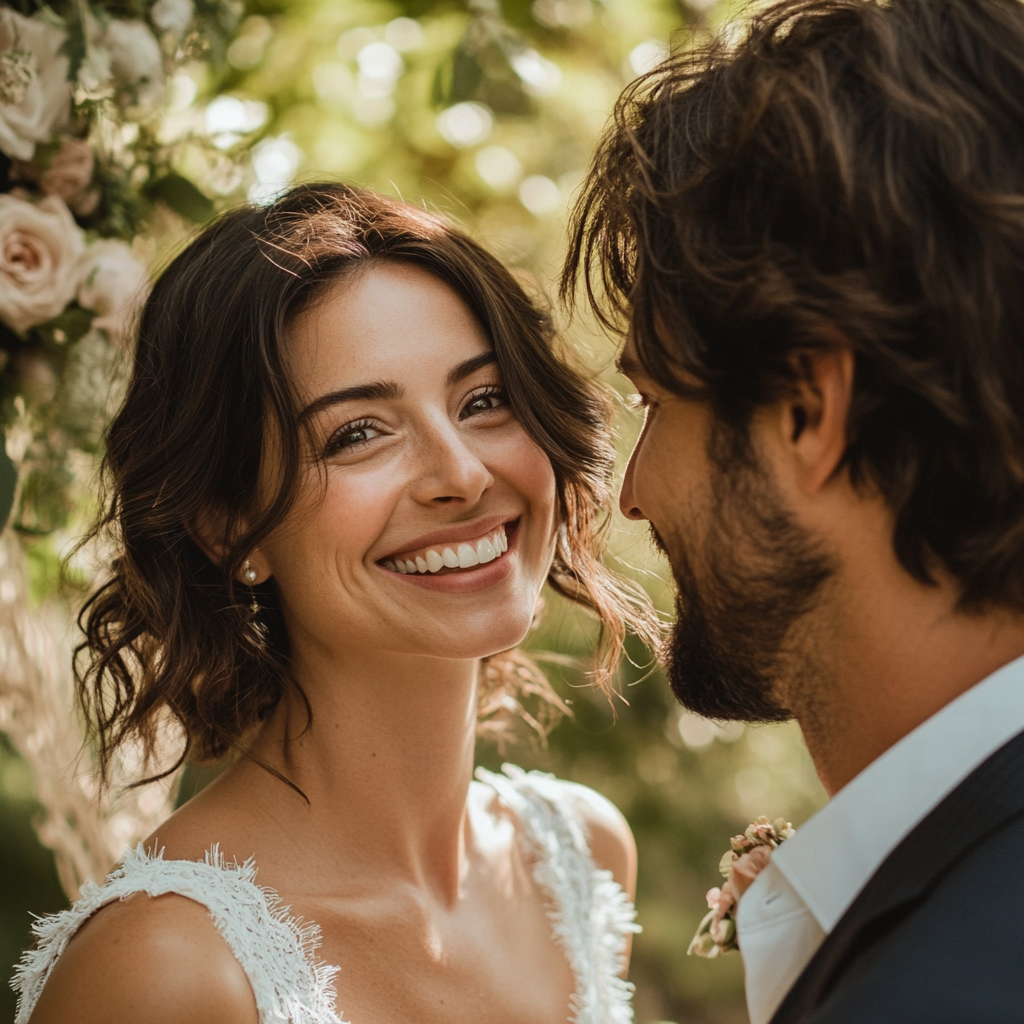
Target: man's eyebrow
381, 390
629, 367
470, 366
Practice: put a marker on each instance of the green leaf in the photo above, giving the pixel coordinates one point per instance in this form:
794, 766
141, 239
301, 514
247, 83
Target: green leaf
75, 45
457, 79
8, 482
181, 196
466, 76
68, 327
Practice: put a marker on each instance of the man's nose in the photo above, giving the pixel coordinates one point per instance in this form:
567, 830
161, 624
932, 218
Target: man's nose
627, 498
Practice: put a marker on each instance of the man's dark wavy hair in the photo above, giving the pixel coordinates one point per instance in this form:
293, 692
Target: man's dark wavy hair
847, 168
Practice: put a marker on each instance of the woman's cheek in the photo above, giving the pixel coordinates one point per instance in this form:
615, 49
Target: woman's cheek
533, 471
356, 510
530, 473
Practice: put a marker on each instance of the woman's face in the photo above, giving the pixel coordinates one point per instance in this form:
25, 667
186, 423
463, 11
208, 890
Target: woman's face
425, 518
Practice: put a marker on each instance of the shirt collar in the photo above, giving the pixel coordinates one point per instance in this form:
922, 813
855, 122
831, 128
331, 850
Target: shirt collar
836, 852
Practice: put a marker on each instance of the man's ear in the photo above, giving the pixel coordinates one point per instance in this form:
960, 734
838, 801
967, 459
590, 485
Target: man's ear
814, 414
209, 531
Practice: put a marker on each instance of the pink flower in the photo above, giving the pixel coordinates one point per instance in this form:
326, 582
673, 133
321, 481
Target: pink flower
69, 176
40, 246
721, 901
748, 856
746, 868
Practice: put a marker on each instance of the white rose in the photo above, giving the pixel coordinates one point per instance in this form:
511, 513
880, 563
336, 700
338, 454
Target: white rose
113, 281
94, 73
40, 245
172, 16
135, 58
42, 105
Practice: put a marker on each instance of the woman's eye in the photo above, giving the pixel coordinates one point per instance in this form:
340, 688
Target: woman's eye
483, 403
351, 436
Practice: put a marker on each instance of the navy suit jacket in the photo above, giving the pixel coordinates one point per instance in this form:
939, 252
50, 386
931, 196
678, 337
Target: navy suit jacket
937, 934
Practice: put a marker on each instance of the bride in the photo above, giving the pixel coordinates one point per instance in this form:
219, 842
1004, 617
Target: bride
347, 462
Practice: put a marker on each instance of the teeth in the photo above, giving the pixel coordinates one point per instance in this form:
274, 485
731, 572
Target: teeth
463, 556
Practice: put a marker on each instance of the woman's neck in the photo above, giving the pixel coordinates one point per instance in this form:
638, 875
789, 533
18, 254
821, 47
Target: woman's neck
385, 763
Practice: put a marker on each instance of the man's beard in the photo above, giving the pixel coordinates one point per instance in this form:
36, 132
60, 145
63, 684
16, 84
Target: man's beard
737, 645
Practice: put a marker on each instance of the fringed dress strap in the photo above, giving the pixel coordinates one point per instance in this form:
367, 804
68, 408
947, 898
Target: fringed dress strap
592, 918
277, 952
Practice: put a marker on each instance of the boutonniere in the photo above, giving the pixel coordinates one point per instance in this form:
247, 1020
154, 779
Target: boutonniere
746, 859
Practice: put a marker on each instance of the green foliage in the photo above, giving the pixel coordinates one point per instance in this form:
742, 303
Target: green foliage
31, 885
75, 45
8, 481
181, 196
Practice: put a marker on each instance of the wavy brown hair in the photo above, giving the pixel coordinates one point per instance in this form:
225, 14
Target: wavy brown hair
172, 632
847, 168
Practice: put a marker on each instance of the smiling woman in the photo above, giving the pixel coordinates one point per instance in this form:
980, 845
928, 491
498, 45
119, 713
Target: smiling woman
349, 458
213, 392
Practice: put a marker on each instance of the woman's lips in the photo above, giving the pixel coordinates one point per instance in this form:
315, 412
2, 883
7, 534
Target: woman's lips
451, 579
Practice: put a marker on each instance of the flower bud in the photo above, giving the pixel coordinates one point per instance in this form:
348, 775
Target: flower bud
726, 863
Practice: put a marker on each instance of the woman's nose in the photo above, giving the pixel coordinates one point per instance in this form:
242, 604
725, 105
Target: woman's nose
451, 471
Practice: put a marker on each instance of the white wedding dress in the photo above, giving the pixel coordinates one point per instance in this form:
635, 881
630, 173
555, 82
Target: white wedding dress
591, 916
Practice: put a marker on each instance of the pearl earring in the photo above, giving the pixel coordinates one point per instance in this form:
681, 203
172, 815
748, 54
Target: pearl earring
249, 573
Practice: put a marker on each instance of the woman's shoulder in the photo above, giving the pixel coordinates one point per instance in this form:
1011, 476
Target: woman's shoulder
609, 836
129, 959
611, 839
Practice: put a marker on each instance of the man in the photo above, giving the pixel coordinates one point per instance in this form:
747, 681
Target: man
815, 239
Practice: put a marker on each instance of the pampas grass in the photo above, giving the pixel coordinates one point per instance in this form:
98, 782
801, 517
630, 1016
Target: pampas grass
88, 829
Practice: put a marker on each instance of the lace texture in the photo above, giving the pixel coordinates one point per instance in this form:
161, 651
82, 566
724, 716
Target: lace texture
276, 951
591, 915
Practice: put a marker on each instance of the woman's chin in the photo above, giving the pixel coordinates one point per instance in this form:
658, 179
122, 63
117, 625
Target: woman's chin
473, 641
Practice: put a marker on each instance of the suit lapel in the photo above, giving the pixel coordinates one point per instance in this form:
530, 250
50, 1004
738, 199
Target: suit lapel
987, 799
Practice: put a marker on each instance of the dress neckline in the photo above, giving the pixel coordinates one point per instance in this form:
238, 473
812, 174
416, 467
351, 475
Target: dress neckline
591, 916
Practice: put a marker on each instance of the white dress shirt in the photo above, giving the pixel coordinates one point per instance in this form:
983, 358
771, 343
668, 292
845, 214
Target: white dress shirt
813, 878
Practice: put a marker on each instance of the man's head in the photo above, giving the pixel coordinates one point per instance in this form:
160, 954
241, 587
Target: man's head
815, 236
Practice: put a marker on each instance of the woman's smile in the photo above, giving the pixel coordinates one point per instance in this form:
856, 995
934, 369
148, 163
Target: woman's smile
456, 565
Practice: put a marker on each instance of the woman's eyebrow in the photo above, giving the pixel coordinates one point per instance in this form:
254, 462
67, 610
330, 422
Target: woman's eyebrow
463, 370
388, 390
381, 390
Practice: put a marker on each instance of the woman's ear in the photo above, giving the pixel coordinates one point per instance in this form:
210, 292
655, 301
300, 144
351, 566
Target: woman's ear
209, 531
814, 414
